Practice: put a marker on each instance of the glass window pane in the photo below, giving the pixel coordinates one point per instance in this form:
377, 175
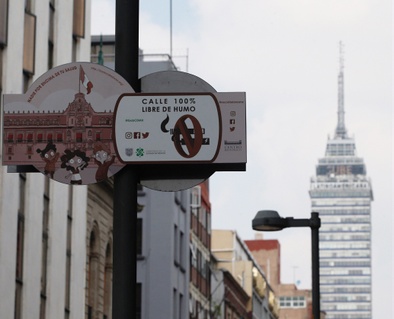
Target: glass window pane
79, 18
29, 43
3, 22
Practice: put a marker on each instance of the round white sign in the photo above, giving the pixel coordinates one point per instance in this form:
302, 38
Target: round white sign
63, 124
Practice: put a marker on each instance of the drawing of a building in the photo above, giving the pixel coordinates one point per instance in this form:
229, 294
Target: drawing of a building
77, 127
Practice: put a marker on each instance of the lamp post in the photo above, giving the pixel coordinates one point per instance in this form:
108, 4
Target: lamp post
269, 220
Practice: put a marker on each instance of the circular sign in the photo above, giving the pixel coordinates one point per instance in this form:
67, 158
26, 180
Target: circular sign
63, 124
166, 82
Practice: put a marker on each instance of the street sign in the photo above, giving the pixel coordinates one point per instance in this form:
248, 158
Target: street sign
80, 123
173, 128
232, 152
63, 124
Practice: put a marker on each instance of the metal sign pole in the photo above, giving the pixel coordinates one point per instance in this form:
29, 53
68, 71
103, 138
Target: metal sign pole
125, 181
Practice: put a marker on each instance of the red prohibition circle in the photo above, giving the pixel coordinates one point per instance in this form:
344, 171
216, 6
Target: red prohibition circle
192, 145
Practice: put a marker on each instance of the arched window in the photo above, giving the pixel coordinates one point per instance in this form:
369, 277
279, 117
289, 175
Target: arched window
108, 281
93, 273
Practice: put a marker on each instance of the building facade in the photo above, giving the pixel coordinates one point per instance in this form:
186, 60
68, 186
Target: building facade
42, 222
98, 251
231, 256
163, 265
229, 299
200, 305
293, 302
342, 194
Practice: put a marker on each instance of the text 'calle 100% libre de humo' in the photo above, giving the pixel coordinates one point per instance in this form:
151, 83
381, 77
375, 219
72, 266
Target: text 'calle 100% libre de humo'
162, 105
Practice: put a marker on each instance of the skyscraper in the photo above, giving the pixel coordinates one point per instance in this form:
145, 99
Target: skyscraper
342, 193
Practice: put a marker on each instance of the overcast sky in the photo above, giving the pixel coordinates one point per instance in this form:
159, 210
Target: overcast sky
285, 55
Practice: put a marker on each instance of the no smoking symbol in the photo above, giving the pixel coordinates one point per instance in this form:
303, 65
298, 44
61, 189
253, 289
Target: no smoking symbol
187, 145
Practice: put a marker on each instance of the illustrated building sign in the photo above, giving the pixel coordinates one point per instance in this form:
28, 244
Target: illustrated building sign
63, 124
77, 127
80, 123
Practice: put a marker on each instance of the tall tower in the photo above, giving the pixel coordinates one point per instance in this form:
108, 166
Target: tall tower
342, 194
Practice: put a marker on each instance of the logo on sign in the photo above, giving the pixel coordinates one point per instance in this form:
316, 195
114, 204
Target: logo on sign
188, 140
187, 135
129, 151
136, 135
139, 152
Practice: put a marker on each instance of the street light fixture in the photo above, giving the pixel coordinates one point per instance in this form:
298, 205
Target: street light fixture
269, 220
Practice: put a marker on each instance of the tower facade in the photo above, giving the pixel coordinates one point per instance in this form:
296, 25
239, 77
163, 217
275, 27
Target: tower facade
342, 194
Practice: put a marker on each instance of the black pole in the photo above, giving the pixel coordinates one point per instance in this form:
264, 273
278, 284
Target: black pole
127, 41
125, 181
315, 225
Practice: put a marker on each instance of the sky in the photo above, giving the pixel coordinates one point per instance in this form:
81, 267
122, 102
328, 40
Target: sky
285, 55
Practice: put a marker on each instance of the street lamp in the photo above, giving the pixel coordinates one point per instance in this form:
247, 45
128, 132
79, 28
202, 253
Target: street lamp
269, 220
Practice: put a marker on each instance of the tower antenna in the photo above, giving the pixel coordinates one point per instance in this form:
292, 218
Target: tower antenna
340, 131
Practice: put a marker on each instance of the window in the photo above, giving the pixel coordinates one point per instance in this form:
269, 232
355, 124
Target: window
108, 281
79, 19
180, 307
1, 70
139, 236
18, 301
44, 247
176, 245
93, 271
68, 251
51, 33
29, 42
182, 246
195, 194
3, 23
174, 304
138, 301
199, 260
193, 254
20, 246
203, 216
292, 302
